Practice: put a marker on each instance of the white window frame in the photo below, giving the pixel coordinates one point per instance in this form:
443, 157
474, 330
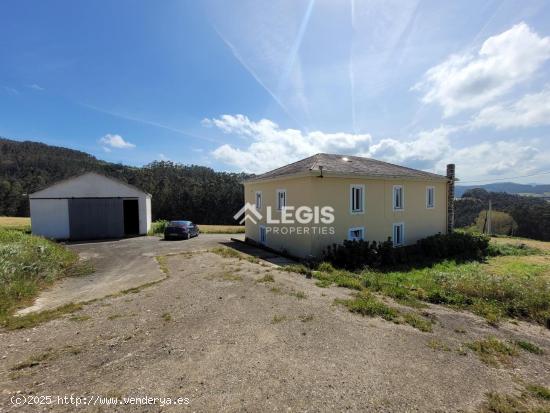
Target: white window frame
264, 240
402, 198
362, 229
279, 206
352, 187
256, 200
428, 188
402, 225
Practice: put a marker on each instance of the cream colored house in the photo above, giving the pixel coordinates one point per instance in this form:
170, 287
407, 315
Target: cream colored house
369, 199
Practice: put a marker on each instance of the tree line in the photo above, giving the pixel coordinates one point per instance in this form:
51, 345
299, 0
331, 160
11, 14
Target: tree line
179, 191
530, 214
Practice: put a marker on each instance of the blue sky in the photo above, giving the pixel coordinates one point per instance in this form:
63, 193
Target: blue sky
252, 85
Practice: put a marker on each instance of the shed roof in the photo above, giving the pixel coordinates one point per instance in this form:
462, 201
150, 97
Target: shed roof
76, 186
347, 165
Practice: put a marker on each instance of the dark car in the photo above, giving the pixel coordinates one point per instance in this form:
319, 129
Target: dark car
181, 229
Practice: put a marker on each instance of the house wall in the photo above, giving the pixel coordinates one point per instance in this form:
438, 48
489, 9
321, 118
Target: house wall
299, 192
377, 219
378, 216
50, 218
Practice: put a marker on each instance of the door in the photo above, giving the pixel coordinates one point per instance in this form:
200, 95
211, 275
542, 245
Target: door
131, 217
96, 218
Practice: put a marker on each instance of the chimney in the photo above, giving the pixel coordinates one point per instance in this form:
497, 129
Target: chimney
451, 198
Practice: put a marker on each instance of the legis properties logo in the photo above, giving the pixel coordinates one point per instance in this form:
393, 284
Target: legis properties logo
291, 220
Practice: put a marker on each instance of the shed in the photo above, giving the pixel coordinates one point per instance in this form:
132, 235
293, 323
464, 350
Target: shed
90, 206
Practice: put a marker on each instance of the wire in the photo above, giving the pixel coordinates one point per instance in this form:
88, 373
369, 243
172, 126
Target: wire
505, 179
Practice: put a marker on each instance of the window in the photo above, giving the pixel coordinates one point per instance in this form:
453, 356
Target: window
357, 198
398, 234
258, 200
430, 197
281, 198
398, 204
356, 234
263, 235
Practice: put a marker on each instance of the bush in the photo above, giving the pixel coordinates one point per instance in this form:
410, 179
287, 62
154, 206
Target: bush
353, 255
158, 227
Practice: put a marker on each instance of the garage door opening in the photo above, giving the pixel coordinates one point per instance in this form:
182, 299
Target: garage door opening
131, 217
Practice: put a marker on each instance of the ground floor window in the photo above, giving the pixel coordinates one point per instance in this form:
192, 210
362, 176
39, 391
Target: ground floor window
356, 234
263, 235
398, 234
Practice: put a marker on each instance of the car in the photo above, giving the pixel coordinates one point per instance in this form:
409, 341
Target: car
181, 229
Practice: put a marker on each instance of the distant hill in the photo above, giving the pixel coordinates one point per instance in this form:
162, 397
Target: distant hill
179, 191
508, 187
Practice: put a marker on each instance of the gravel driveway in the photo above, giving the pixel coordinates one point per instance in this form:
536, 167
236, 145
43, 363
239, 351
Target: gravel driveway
232, 335
119, 265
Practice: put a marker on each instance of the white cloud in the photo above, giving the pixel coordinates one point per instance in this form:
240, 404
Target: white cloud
271, 146
115, 141
163, 157
268, 147
531, 110
34, 86
468, 81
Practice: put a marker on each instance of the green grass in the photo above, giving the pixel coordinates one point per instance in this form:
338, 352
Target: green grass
278, 319
15, 223
28, 264
167, 317
157, 228
528, 346
34, 319
232, 253
418, 322
493, 351
517, 249
367, 304
539, 391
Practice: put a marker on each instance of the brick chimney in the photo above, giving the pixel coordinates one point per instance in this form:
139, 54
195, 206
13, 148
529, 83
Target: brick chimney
451, 198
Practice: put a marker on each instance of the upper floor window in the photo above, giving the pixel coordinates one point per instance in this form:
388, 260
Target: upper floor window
357, 198
258, 200
356, 234
281, 198
398, 201
430, 197
398, 234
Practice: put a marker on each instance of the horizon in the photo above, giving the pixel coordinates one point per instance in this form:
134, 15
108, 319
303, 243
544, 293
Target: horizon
245, 87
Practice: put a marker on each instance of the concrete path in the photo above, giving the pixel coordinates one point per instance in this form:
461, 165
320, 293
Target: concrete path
119, 265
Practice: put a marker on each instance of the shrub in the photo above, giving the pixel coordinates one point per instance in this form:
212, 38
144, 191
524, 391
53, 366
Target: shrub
158, 227
353, 255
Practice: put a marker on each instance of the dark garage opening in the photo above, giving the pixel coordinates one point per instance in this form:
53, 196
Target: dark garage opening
131, 217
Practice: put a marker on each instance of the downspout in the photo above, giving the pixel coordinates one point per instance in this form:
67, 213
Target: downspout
451, 197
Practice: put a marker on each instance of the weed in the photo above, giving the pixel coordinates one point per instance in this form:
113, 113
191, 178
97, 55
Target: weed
460, 330
366, 304
492, 351
82, 317
167, 317
298, 294
323, 283
162, 261
418, 322
435, 344
268, 278
33, 319
306, 318
530, 347
275, 290
227, 252
539, 391
278, 319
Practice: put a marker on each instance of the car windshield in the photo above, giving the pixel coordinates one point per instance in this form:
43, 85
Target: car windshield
179, 223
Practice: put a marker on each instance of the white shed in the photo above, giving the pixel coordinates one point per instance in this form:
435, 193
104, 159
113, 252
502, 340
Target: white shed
90, 206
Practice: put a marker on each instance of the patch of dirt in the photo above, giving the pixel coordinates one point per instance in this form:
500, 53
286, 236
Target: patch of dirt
214, 333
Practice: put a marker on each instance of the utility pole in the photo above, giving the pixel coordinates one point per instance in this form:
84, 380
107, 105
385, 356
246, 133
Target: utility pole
489, 219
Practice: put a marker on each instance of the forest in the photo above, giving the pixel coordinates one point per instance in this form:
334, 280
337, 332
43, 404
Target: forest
179, 191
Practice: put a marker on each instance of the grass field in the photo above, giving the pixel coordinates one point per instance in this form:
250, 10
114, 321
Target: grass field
515, 284
25, 224
21, 223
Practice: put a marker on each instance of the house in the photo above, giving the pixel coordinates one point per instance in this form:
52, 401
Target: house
369, 199
90, 206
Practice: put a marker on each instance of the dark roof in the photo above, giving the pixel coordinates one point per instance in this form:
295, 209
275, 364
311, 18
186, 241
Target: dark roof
354, 165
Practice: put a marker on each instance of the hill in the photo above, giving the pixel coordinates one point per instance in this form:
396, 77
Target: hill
179, 191
508, 187
532, 215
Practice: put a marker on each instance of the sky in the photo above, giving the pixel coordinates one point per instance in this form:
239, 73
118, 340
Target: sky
251, 85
